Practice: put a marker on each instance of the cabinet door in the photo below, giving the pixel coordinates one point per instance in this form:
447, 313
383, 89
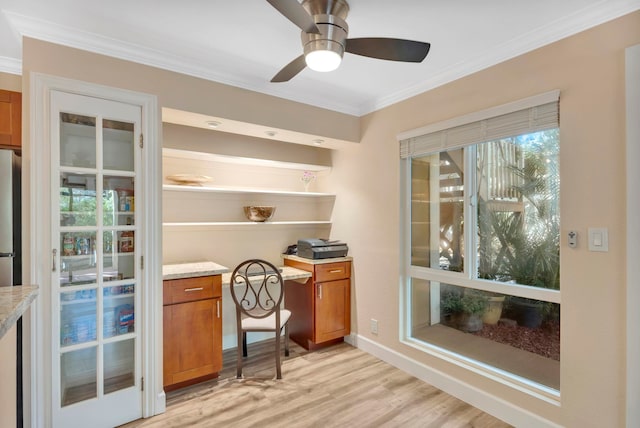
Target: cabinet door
10, 118
96, 275
192, 340
332, 318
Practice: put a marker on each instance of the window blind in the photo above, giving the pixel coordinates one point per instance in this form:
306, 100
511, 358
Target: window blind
521, 117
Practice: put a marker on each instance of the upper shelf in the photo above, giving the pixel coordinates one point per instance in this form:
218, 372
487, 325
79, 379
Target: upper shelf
181, 188
187, 154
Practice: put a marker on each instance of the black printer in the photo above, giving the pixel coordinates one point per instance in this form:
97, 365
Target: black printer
321, 248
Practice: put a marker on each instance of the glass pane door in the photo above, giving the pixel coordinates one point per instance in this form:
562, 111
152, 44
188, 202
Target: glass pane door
98, 278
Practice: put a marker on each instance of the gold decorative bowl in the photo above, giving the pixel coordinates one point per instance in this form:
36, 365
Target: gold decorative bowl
259, 213
189, 179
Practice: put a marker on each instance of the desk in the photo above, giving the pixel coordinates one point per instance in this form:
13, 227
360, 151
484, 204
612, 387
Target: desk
192, 270
320, 309
288, 274
192, 323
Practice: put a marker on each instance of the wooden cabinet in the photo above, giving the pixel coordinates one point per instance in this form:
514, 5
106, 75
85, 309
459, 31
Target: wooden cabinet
10, 119
321, 308
192, 330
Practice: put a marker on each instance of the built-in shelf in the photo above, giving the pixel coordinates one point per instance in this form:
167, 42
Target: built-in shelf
88, 256
244, 224
220, 207
187, 154
111, 298
204, 189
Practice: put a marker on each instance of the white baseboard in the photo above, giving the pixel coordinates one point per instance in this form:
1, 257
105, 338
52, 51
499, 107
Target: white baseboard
480, 399
161, 403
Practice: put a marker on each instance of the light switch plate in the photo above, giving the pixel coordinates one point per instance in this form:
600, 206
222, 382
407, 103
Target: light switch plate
374, 326
598, 239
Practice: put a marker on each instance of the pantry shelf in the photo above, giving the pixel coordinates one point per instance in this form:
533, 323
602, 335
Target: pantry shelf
213, 157
243, 224
245, 190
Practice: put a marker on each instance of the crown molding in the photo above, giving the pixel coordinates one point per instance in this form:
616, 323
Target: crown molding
10, 65
554, 31
191, 63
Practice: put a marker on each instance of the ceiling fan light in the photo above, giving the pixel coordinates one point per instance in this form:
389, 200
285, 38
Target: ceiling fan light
323, 60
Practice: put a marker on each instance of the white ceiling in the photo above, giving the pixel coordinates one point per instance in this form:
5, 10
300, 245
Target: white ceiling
244, 43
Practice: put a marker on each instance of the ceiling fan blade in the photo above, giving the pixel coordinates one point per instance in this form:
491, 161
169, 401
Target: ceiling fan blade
290, 70
389, 49
294, 12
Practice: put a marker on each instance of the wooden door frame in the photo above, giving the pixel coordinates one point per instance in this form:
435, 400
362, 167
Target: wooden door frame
36, 170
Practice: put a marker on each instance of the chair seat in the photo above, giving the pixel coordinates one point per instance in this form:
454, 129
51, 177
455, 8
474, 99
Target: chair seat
267, 323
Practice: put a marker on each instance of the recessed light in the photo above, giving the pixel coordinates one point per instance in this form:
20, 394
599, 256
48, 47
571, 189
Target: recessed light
317, 142
213, 124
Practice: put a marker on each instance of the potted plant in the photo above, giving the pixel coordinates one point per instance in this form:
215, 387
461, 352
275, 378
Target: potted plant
493, 312
522, 245
464, 310
537, 264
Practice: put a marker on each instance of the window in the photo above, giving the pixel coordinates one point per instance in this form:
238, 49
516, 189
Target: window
482, 244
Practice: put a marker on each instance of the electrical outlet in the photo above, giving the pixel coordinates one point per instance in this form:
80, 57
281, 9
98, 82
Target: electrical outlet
374, 326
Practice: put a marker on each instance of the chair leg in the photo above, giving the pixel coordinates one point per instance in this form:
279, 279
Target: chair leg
244, 343
239, 356
278, 370
286, 340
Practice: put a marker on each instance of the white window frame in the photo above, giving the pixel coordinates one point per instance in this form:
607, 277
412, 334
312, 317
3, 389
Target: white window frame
467, 278
632, 82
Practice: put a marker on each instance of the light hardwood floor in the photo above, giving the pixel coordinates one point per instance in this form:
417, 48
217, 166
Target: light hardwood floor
339, 386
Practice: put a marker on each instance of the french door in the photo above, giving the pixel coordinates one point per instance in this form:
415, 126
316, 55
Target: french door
96, 277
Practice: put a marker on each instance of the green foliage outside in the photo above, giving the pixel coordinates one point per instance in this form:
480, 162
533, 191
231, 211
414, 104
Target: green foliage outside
524, 246
470, 303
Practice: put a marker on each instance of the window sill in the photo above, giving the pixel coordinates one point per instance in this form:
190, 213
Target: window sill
522, 370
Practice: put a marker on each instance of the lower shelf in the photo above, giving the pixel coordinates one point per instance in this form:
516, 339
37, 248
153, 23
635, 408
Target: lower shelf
244, 224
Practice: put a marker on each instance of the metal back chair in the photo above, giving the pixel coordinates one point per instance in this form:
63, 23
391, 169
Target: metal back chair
257, 290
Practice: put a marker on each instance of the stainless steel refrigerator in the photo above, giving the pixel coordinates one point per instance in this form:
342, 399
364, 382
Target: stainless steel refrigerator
11, 248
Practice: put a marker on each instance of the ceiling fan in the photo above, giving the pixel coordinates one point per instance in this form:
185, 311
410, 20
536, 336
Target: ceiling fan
324, 38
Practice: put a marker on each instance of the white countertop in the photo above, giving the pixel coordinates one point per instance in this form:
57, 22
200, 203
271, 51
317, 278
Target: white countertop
317, 261
288, 273
14, 301
191, 270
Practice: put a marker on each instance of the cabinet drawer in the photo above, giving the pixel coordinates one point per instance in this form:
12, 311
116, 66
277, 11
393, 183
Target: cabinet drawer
332, 271
191, 289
